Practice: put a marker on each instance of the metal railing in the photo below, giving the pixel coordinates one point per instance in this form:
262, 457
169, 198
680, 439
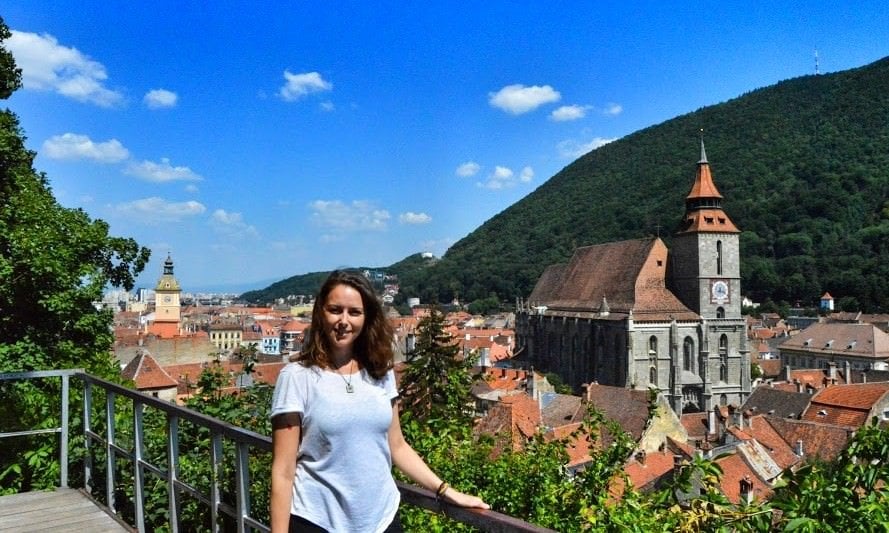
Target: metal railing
101, 437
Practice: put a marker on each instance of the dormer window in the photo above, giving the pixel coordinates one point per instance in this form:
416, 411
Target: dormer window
708, 220
851, 345
808, 342
829, 344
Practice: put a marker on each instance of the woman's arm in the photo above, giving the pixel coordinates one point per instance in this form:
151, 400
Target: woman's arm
408, 461
285, 447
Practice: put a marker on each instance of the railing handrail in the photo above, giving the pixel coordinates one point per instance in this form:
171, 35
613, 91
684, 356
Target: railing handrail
244, 439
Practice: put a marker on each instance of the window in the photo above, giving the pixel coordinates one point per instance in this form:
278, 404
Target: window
723, 358
718, 258
720, 312
652, 360
688, 348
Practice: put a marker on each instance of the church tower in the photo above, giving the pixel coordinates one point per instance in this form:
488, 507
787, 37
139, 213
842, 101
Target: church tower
167, 304
705, 274
706, 256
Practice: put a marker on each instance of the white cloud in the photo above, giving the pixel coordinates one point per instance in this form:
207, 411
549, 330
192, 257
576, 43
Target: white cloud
192, 188
328, 106
613, 110
518, 99
502, 173
160, 98
358, 215
468, 169
155, 210
161, 172
231, 225
504, 178
48, 66
569, 112
414, 218
299, 85
571, 149
75, 146
526, 175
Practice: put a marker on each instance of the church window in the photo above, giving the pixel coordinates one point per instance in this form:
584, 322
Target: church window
718, 258
652, 360
723, 358
723, 400
688, 348
720, 312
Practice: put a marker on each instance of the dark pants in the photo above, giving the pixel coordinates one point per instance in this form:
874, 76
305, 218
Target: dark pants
299, 524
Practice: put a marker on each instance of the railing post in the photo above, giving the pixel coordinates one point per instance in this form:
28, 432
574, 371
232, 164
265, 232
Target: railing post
173, 470
87, 427
63, 452
109, 450
215, 476
242, 478
139, 481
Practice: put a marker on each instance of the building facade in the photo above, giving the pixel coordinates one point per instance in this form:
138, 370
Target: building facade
635, 314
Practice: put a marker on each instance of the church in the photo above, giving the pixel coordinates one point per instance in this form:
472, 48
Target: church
636, 314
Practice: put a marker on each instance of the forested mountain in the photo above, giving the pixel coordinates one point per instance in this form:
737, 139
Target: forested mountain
803, 166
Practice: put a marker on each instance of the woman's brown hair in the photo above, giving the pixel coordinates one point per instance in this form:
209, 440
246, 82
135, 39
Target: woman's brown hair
373, 347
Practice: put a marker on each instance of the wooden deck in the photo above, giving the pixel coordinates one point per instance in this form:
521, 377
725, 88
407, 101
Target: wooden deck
61, 510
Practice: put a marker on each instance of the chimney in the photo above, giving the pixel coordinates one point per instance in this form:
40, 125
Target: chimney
832, 372
798, 449
711, 422
799, 385
847, 370
640, 457
787, 376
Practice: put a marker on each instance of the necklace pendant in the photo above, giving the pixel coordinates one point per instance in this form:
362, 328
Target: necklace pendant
349, 388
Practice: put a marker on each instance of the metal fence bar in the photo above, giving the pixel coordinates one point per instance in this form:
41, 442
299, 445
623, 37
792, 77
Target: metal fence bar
87, 429
215, 476
173, 471
63, 452
242, 478
138, 471
109, 450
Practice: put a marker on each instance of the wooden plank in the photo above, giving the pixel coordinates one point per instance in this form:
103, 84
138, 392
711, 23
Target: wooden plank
60, 510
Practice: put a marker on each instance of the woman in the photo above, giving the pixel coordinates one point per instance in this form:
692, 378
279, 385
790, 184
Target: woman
335, 427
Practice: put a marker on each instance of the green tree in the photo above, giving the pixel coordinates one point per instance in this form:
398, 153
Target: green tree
435, 387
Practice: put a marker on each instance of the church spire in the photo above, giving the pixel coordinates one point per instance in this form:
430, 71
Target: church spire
703, 205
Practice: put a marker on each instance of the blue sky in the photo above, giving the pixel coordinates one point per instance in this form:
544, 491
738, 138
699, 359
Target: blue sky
263, 140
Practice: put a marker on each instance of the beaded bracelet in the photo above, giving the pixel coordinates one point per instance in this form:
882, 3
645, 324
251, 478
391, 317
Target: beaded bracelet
441, 490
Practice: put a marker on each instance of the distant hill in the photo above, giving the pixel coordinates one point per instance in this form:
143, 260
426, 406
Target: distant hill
308, 284
803, 166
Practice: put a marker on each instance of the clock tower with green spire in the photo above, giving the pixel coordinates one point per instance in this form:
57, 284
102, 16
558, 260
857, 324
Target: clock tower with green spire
167, 305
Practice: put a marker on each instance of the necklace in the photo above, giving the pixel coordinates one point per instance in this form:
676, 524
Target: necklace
349, 388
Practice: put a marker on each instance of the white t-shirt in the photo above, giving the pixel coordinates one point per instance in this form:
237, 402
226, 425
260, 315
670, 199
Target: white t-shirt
343, 476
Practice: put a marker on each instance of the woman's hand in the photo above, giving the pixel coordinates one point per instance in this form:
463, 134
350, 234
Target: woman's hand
456, 497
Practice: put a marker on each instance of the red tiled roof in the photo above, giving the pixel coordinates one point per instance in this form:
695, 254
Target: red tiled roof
645, 469
823, 441
144, 371
734, 469
630, 275
840, 339
845, 405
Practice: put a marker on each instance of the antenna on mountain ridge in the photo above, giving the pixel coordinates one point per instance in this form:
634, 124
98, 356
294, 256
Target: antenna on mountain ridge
816, 62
